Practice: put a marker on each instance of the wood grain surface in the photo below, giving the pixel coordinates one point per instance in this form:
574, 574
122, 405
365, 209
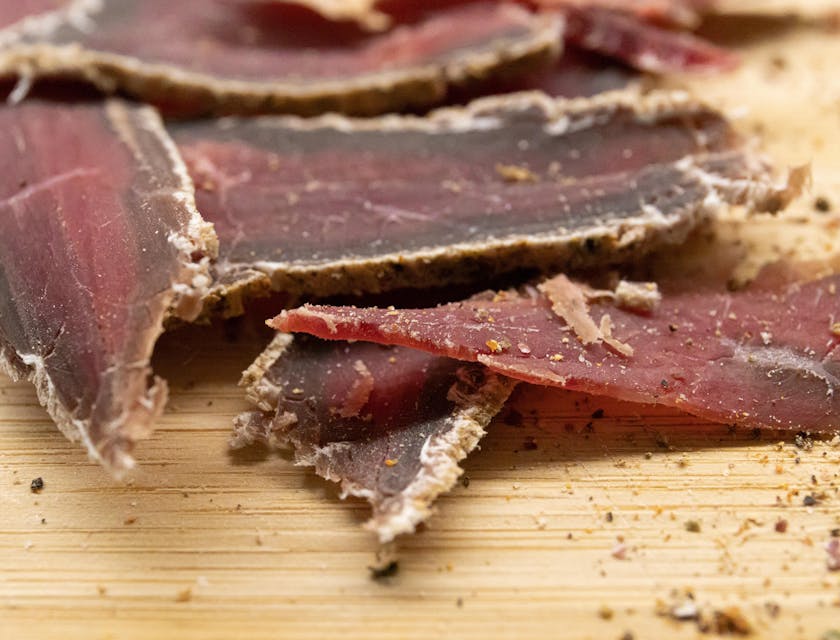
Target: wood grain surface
571, 526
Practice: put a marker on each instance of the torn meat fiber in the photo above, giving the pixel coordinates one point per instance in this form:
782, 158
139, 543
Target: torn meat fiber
99, 241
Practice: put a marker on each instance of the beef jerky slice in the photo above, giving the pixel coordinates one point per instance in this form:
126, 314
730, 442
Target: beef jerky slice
99, 240
198, 56
760, 357
641, 45
681, 13
363, 12
390, 424
333, 205
577, 74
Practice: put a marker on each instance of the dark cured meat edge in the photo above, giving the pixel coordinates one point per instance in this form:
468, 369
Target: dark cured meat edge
392, 516
366, 95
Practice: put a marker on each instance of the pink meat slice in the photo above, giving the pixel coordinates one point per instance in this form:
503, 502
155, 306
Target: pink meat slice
16, 10
762, 357
390, 424
642, 45
99, 242
334, 205
577, 73
684, 13
221, 56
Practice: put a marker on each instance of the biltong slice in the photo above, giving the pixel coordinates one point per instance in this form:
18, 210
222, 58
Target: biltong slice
389, 424
196, 57
334, 205
99, 241
765, 356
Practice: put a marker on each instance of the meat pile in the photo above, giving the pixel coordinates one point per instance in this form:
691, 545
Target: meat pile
546, 162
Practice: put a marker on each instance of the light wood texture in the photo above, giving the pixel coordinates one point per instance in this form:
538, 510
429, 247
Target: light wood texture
204, 545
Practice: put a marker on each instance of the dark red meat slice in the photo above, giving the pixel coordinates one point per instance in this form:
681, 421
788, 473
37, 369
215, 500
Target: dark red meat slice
641, 45
389, 424
217, 56
99, 240
576, 74
763, 357
329, 206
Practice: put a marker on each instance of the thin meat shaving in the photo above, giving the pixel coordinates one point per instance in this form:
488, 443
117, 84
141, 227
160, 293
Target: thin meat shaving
644, 46
768, 356
389, 424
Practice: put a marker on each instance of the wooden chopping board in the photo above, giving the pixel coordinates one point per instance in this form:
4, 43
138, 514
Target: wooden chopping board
200, 544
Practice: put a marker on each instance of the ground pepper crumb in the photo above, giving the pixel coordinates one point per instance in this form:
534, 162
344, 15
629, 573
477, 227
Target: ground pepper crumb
822, 204
36, 485
387, 571
692, 526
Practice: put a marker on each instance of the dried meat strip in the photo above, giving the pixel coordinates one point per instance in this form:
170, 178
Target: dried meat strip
683, 13
577, 74
332, 205
366, 13
389, 424
99, 241
202, 57
641, 45
767, 356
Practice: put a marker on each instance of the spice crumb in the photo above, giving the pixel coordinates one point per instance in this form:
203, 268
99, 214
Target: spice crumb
605, 612
822, 204
692, 526
36, 485
185, 595
781, 525
388, 570
516, 173
391, 462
